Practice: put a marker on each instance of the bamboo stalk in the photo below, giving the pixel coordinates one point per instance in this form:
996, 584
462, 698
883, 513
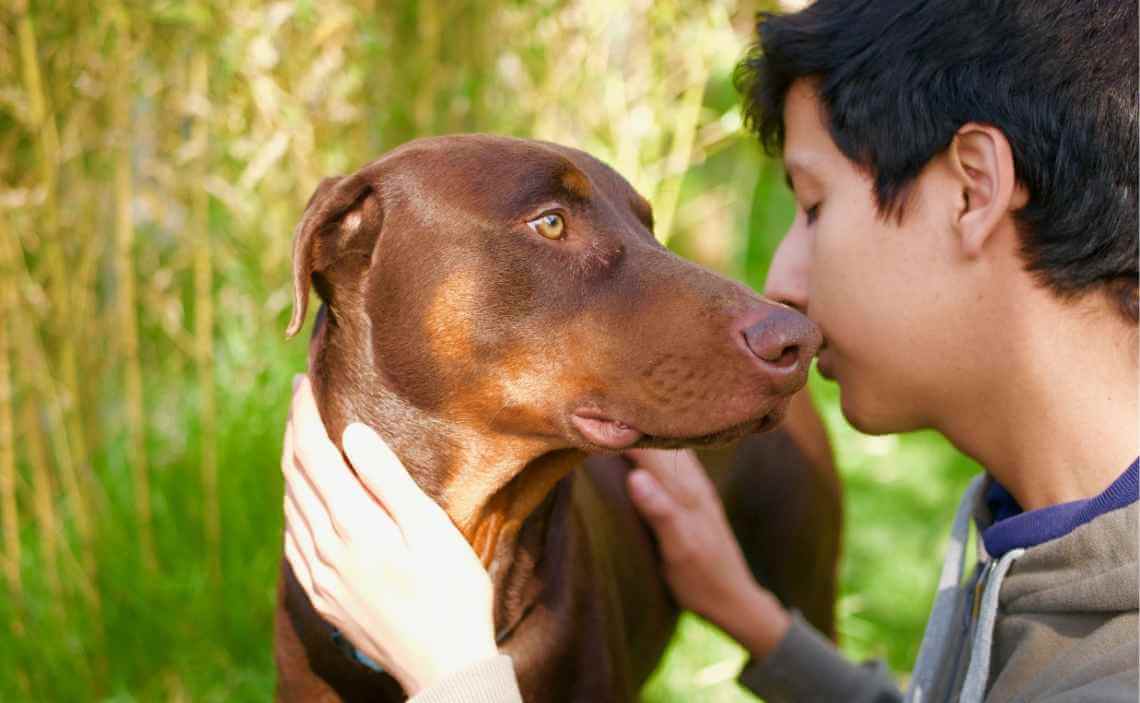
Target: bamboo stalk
677, 163
34, 362
9, 510
124, 274
30, 66
52, 534
43, 495
204, 316
61, 286
35, 365
428, 35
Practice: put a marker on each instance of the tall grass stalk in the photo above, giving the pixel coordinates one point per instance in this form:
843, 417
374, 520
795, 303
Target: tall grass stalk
204, 309
125, 280
679, 158
64, 294
48, 525
9, 509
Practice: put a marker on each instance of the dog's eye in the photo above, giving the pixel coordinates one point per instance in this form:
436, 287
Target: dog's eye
549, 225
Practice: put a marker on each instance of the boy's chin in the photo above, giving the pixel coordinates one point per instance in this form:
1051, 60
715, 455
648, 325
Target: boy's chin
870, 415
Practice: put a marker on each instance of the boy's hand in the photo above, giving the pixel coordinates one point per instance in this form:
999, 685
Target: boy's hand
379, 559
701, 559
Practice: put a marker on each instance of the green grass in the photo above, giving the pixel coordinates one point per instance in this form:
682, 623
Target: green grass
177, 635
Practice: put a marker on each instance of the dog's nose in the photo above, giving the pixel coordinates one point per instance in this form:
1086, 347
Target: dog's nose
784, 341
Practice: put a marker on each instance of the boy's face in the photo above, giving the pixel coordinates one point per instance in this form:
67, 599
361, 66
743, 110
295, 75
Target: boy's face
897, 307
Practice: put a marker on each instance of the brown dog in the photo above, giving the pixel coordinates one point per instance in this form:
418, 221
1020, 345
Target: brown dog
498, 309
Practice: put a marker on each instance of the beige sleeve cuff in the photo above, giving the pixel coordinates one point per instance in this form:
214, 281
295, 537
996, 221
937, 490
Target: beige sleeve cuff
489, 681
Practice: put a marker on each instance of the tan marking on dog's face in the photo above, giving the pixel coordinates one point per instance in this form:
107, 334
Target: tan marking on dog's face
576, 182
524, 383
449, 316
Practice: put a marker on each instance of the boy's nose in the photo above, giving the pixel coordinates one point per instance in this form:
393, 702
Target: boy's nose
788, 275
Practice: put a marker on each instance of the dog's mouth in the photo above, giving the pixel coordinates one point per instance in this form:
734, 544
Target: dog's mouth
607, 433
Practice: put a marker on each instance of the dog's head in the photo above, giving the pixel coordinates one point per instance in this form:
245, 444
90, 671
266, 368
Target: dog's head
516, 287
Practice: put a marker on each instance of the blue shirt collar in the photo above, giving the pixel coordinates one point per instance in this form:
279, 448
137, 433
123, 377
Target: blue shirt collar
1013, 528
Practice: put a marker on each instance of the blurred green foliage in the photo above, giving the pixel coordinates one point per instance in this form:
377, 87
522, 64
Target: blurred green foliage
153, 160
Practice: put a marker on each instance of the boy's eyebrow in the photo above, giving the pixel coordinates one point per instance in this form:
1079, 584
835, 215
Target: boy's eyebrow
798, 167
791, 166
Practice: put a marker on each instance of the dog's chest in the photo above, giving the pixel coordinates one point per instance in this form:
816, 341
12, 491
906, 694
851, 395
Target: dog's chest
603, 617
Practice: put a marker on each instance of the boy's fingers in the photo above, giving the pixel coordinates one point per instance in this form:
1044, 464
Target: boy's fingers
319, 463
678, 471
381, 471
670, 520
652, 499
297, 534
298, 563
308, 517
355, 514
315, 499
297, 379
314, 448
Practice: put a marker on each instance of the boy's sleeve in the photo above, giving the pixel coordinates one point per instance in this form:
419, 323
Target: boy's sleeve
489, 681
806, 666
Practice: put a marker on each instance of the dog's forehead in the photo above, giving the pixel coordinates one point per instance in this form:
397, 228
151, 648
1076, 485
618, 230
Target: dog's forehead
607, 181
504, 173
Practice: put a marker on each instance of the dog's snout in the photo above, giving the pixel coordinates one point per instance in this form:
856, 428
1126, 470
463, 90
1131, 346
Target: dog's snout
784, 341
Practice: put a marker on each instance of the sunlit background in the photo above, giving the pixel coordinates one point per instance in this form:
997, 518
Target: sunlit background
154, 158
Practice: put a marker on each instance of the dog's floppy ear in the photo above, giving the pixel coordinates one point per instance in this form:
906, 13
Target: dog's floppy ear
341, 218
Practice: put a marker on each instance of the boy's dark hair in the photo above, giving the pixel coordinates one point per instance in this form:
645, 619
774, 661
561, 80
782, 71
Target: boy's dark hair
897, 78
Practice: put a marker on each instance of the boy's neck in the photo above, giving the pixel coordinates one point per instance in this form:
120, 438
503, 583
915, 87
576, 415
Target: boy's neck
1055, 419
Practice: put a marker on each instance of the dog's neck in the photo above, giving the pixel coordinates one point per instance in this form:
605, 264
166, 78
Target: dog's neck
489, 484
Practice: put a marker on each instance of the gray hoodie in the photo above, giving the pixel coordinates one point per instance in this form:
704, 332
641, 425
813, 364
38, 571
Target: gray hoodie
1048, 614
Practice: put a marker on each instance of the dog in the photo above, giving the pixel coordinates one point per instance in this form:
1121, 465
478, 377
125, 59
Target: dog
499, 311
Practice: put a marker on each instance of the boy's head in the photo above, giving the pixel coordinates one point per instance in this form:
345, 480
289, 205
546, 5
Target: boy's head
952, 160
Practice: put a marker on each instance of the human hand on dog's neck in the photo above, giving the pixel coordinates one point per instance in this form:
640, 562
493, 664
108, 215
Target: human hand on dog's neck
488, 485
488, 482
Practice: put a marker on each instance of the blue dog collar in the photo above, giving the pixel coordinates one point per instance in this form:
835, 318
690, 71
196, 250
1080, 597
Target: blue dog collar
353, 653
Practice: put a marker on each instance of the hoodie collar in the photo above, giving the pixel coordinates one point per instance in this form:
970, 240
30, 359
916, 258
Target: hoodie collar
1013, 528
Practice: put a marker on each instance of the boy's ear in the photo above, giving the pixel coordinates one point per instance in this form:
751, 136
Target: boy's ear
982, 162
343, 217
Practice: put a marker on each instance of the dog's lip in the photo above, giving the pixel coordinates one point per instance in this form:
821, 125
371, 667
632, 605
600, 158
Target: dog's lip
603, 431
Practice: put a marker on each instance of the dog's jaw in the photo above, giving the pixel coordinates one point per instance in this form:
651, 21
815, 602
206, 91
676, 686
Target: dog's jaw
487, 483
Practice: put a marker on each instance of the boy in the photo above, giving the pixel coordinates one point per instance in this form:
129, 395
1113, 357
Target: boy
965, 173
